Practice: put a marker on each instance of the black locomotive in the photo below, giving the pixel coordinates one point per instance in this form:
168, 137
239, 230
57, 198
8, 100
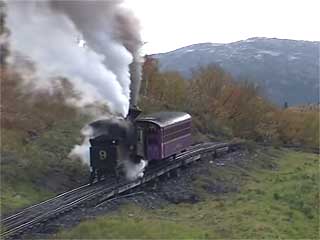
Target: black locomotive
151, 137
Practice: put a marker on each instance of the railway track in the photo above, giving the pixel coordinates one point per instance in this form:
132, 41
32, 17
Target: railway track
42, 212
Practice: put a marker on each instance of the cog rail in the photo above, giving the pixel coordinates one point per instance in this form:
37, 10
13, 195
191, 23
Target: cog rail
52, 208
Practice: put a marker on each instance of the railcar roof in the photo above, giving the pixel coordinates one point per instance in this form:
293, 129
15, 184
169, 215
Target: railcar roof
164, 119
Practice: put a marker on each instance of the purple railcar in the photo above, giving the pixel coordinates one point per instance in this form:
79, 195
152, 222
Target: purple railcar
163, 134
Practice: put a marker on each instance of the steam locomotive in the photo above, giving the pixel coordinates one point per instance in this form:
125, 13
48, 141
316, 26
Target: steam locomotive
150, 138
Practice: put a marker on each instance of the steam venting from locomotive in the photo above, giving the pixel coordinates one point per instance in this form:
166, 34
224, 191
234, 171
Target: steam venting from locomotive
105, 71
44, 34
117, 129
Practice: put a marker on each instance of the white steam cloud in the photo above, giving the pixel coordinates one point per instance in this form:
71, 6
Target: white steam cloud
92, 44
83, 151
134, 171
46, 32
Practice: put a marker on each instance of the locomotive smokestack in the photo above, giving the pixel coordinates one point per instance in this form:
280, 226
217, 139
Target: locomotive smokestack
134, 112
135, 72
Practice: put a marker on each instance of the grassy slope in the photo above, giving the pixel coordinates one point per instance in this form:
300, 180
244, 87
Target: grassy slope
281, 203
37, 169
37, 133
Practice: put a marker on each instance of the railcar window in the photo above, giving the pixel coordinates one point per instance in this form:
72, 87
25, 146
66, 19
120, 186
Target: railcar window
140, 137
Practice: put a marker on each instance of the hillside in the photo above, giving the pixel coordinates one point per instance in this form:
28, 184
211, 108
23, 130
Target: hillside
37, 131
287, 70
264, 194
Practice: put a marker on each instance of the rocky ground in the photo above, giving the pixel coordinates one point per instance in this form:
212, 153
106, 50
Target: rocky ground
173, 190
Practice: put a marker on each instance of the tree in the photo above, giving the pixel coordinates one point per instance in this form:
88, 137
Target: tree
4, 33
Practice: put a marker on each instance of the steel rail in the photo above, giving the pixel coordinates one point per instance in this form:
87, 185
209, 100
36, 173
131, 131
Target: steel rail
77, 196
38, 209
16, 215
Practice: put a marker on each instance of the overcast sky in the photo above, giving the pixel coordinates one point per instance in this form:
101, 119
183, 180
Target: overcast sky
170, 24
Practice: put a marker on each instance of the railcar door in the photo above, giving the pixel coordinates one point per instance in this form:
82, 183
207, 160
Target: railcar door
140, 143
153, 143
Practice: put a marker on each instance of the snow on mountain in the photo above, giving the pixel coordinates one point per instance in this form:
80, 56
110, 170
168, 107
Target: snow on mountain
287, 70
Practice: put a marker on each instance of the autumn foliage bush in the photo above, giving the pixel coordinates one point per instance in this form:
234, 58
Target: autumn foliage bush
28, 111
222, 105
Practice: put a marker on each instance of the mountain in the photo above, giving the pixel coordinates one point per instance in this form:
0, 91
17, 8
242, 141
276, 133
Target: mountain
287, 70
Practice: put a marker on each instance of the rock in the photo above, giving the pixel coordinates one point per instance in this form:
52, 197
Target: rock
182, 198
219, 164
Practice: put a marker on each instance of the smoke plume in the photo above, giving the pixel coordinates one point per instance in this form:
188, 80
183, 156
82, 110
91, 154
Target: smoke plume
46, 33
94, 45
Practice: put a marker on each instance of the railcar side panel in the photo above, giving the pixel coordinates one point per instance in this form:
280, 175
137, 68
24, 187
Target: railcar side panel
176, 145
166, 134
176, 138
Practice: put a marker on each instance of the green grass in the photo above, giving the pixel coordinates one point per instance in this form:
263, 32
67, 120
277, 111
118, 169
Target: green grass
274, 204
132, 222
29, 168
23, 194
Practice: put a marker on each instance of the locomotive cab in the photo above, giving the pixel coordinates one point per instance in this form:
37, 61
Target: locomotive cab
103, 157
113, 138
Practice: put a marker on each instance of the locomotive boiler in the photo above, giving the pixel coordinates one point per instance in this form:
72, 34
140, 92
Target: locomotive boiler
152, 137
